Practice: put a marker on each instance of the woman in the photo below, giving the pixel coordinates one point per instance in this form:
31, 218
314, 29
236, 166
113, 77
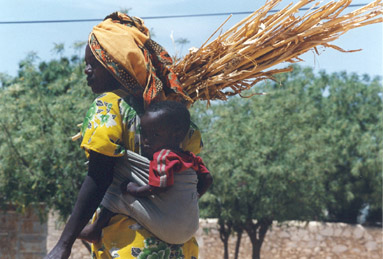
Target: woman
130, 71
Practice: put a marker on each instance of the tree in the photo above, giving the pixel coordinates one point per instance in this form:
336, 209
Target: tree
38, 114
179, 41
272, 158
79, 47
58, 49
182, 42
353, 130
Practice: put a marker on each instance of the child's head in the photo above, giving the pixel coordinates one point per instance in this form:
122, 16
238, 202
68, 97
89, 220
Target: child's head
164, 125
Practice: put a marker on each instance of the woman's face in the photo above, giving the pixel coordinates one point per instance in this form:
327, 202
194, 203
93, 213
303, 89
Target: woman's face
98, 77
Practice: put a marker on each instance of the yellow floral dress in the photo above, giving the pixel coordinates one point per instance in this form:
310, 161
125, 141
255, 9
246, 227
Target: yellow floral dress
111, 127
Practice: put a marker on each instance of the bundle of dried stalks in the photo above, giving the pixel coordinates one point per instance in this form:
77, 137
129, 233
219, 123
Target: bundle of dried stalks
244, 55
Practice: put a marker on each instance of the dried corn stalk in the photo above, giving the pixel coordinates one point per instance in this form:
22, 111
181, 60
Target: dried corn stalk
243, 56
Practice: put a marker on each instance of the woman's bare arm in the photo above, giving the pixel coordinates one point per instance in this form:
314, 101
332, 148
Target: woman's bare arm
100, 176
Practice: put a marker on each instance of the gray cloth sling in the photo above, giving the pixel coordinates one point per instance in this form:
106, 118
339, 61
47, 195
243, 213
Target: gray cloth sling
172, 216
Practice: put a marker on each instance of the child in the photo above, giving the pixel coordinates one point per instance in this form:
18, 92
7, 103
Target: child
167, 206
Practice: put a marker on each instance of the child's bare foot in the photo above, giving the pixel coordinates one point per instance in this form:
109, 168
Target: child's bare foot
91, 234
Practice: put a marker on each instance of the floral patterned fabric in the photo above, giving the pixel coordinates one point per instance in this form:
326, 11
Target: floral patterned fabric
111, 127
125, 238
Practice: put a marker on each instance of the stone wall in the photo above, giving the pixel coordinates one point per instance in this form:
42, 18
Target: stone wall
291, 240
22, 236
297, 240
25, 237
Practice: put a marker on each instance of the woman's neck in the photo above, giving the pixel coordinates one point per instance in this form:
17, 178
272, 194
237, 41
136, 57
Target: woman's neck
135, 103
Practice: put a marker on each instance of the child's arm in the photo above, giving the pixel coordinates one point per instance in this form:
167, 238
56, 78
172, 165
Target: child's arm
204, 182
140, 191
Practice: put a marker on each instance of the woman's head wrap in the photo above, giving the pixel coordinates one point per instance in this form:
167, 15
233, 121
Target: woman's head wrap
122, 44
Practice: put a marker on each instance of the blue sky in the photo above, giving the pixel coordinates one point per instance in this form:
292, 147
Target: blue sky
18, 40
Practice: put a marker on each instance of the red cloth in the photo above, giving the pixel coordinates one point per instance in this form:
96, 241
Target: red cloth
166, 163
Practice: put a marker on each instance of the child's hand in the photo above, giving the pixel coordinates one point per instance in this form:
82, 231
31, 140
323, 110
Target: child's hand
132, 188
129, 188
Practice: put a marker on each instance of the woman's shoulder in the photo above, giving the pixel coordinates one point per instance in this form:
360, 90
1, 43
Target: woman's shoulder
113, 101
105, 102
110, 96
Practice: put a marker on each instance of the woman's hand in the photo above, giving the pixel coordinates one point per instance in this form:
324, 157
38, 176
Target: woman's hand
59, 252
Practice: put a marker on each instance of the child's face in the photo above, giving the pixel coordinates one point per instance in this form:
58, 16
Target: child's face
155, 135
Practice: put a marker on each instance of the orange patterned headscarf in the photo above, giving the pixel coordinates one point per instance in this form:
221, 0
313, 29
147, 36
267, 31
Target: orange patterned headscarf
122, 44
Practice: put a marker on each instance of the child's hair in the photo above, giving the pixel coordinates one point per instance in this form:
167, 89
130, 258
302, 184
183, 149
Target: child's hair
175, 116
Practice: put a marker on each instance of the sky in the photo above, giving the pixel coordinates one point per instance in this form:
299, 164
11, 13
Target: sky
17, 40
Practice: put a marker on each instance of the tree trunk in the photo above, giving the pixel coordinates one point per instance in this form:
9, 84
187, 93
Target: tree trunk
238, 243
257, 232
224, 234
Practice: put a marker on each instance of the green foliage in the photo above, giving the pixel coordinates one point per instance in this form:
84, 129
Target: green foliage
126, 10
58, 48
354, 133
311, 145
311, 149
262, 151
39, 111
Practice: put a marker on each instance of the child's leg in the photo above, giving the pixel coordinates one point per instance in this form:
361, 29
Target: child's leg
92, 232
